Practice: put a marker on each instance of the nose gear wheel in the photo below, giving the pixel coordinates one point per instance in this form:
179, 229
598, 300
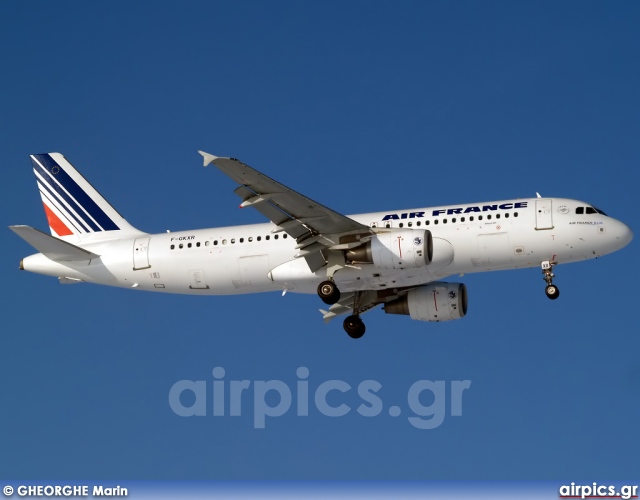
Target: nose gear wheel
552, 291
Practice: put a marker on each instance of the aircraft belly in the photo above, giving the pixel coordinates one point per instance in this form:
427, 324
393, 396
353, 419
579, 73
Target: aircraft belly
253, 273
493, 250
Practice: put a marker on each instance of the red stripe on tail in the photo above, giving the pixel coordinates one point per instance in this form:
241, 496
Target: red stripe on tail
55, 223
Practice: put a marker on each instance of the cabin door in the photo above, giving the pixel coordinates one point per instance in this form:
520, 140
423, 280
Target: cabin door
141, 254
544, 219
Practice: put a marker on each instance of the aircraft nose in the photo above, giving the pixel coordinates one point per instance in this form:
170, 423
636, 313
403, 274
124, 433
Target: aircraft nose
624, 235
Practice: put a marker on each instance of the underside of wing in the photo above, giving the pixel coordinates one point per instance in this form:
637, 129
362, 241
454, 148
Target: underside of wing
362, 301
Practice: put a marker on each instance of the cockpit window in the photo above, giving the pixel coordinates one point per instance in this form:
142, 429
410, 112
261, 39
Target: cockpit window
600, 211
589, 210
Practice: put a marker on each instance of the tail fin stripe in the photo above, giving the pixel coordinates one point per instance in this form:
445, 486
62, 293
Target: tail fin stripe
61, 212
64, 203
55, 223
61, 187
64, 197
61, 206
49, 166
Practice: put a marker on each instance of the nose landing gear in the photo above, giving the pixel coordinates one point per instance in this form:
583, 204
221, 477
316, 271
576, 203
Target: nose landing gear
552, 291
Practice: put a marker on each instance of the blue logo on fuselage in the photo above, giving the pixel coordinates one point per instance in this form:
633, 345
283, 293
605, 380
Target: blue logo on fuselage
456, 211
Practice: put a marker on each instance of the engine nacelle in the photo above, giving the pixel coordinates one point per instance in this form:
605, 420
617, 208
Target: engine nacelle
434, 302
397, 249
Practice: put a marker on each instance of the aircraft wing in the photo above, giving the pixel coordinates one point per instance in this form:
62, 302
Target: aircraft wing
315, 227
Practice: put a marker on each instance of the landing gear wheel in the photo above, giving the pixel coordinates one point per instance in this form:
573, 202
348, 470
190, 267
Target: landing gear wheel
328, 292
354, 327
552, 292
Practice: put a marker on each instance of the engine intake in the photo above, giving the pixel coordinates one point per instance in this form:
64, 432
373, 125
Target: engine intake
434, 302
397, 249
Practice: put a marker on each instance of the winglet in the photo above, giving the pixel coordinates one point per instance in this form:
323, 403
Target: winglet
208, 158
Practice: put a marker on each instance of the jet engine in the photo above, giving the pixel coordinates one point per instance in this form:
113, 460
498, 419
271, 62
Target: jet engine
433, 302
397, 249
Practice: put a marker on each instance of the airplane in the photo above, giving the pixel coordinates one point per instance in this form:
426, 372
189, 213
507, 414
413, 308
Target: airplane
397, 259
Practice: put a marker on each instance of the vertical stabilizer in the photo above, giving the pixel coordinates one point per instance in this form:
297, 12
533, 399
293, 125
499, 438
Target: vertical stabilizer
73, 206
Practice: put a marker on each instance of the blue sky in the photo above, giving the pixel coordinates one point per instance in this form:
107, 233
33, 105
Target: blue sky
363, 106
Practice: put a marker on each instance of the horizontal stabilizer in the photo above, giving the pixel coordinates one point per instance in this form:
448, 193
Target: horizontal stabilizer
52, 247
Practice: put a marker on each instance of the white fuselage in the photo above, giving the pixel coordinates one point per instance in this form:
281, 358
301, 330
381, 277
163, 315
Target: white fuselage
468, 238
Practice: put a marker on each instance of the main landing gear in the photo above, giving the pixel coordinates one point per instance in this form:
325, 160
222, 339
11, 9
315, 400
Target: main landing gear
552, 291
353, 325
328, 292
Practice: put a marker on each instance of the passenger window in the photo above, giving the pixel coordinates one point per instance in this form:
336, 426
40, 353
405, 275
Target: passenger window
215, 242
444, 221
172, 247
189, 245
453, 221
489, 217
506, 216
418, 223
250, 239
497, 216
427, 222
285, 235
233, 240
180, 245
241, 240
198, 244
387, 225
275, 236
461, 219
224, 242
206, 243
435, 221
267, 237
409, 224
479, 217
471, 218
515, 214
259, 238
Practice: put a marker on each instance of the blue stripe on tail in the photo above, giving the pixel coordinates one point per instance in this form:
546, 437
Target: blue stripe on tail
83, 199
46, 191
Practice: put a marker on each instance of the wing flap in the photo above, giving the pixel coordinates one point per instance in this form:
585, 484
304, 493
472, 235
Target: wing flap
315, 261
